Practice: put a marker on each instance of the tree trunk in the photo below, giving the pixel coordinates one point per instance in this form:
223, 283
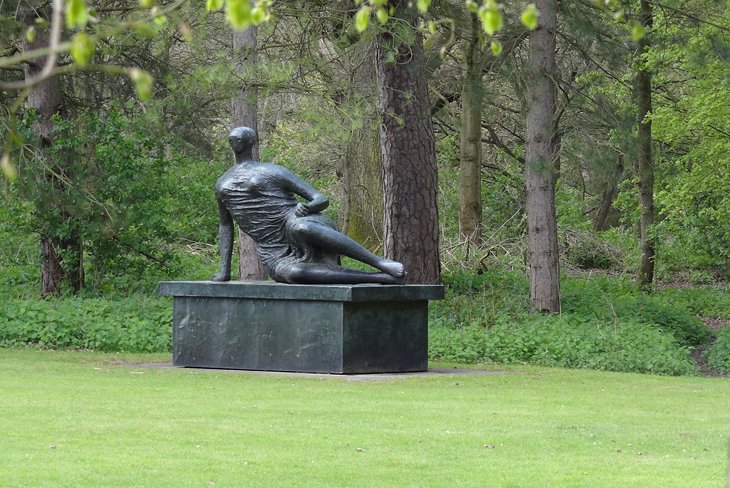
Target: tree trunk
601, 221
362, 212
645, 167
410, 228
244, 112
470, 178
61, 257
540, 164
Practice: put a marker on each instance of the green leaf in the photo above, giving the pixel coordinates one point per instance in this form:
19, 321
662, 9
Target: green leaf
258, 15
82, 48
496, 47
76, 13
213, 5
142, 83
261, 12
382, 15
423, 5
30, 34
160, 20
362, 17
7, 167
238, 13
637, 32
143, 28
491, 20
529, 17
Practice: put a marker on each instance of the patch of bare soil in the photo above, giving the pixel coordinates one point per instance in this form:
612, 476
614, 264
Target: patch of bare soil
698, 355
715, 323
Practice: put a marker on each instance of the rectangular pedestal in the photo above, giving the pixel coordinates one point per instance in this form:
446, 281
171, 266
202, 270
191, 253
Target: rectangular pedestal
305, 328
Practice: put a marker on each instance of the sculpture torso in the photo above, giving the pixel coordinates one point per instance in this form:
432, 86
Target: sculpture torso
260, 205
257, 197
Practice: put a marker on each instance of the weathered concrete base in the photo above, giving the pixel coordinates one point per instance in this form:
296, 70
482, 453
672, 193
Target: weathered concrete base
267, 326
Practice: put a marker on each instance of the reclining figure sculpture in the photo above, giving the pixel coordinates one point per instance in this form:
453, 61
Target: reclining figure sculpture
295, 242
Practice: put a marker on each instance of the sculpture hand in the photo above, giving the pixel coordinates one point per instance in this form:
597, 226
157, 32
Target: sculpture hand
302, 210
222, 276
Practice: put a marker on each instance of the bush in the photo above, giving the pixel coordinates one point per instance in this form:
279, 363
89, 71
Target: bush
586, 251
707, 301
606, 324
568, 341
718, 356
617, 300
135, 324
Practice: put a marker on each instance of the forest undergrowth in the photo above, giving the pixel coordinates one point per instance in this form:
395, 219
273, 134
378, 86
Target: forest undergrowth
605, 323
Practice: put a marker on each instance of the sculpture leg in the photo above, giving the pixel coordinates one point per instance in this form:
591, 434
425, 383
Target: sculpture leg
316, 234
314, 273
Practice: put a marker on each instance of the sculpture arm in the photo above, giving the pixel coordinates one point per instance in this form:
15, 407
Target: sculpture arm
225, 236
316, 202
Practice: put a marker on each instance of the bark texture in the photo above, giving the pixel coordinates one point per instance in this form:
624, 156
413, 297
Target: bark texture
362, 210
540, 154
410, 227
244, 112
645, 166
602, 221
470, 178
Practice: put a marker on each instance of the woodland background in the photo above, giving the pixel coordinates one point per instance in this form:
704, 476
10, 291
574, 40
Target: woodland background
580, 173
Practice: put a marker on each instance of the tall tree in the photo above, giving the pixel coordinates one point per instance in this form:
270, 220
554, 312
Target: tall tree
362, 203
407, 145
601, 221
470, 195
540, 153
244, 112
645, 166
60, 239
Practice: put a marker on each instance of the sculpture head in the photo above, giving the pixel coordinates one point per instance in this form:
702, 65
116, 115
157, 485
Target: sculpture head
242, 139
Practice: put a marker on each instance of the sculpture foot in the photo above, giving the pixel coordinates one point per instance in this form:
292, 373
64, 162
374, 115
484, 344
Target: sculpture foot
393, 268
221, 277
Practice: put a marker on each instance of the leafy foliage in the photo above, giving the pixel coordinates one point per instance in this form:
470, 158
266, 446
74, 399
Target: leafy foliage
718, 356
605, 324
567, 341
120, 189
693, 132
135, 324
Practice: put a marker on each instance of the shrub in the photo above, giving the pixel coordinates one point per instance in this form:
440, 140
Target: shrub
617, 300
708, 301
135, 324
586, 251
568, 341
718, 356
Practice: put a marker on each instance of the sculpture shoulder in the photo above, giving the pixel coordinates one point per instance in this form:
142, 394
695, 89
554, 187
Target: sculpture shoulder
250, 176
224, 180
271, 170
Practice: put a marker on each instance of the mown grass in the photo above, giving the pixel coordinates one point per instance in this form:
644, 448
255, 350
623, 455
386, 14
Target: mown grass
91, 419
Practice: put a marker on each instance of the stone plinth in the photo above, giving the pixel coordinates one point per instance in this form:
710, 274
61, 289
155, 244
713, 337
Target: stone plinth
268, 326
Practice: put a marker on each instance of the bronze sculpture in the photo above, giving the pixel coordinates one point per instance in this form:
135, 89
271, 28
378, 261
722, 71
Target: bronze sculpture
295, 242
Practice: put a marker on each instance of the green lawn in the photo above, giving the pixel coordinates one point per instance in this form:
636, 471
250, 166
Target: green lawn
83, 419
